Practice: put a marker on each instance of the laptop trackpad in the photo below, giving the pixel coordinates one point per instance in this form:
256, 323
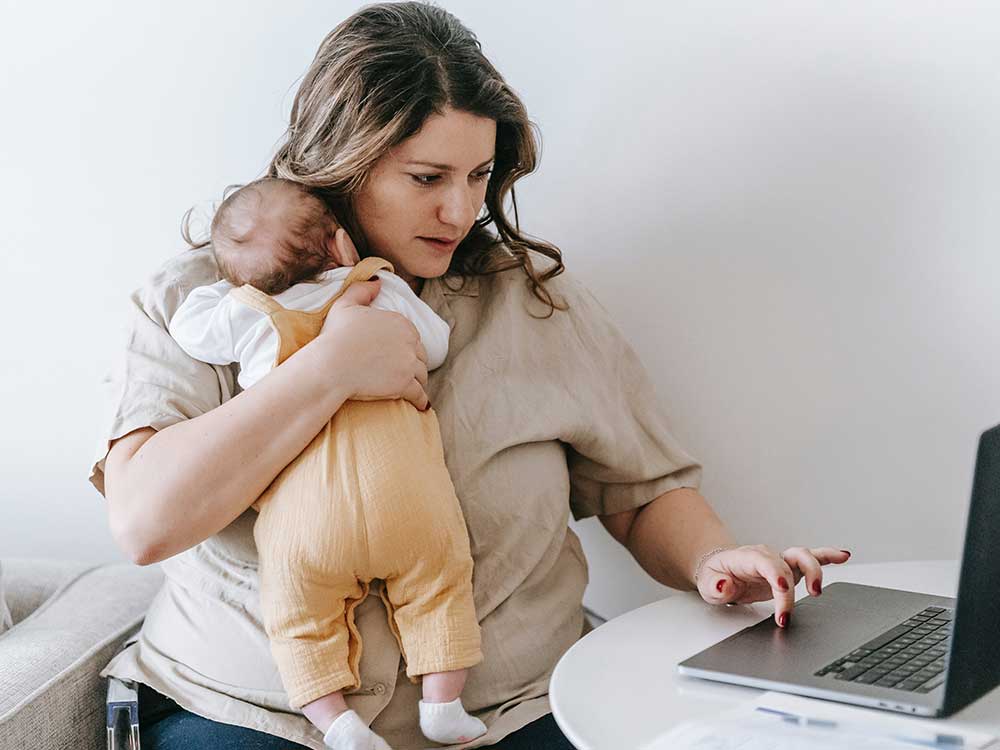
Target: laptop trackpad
822, 629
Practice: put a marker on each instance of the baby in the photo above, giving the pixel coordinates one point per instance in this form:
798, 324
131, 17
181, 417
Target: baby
369, 498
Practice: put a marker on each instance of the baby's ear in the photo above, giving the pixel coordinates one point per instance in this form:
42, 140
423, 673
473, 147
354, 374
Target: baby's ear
342, 249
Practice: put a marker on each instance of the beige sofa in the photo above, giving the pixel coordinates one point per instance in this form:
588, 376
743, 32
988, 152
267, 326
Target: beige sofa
69, 618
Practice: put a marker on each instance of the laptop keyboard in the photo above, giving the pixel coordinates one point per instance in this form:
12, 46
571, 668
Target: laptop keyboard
911, 656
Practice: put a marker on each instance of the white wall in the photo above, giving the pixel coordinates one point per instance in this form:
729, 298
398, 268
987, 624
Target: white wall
790, 208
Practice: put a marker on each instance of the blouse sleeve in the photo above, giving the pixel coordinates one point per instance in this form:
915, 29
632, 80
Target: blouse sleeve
153, 382
621, 452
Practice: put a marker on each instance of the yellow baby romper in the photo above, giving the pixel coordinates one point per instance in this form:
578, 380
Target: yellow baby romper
369, 497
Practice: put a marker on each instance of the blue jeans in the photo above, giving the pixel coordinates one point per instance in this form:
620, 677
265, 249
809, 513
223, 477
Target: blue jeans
166, 726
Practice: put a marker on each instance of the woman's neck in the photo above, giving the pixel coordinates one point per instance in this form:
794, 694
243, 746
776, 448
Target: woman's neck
415, 282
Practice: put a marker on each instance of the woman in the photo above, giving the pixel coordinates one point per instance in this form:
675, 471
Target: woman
544, 410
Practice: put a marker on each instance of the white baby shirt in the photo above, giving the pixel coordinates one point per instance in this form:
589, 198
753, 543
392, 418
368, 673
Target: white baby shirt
212, 326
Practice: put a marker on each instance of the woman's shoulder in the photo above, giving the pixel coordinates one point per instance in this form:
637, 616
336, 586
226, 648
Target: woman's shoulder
513, 288
167, 287
581, 322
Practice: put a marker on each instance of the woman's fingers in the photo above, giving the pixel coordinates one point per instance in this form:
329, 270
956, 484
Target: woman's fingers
808, 563
420, 371
756, 573
361, 293
417, 396
748, 574
730, 576
422, 368
781, 579
828, 555
803, 563
767, 567
714, 584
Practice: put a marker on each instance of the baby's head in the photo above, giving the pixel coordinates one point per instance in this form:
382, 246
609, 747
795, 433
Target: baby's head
273, 233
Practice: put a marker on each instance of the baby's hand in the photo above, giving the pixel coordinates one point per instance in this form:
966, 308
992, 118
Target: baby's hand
342, 250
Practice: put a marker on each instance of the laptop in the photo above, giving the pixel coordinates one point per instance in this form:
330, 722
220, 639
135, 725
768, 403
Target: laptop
885, 648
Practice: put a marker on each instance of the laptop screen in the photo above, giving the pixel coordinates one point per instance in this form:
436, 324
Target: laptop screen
974, 665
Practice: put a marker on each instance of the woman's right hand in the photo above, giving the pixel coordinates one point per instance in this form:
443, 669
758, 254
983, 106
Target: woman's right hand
372, 354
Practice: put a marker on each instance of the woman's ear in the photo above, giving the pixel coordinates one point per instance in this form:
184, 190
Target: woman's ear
342, 250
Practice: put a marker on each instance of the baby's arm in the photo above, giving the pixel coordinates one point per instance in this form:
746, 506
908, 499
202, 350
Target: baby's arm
202, 326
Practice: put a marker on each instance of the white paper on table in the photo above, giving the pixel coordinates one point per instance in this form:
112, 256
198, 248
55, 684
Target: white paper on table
875, 722
754, 732
747, 728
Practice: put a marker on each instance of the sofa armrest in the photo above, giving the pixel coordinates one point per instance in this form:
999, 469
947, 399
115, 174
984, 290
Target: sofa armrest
51, 694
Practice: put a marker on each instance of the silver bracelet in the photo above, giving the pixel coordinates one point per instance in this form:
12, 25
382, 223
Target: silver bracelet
704, 558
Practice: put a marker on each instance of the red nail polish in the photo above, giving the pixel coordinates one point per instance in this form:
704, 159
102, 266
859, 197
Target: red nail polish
783, 620
720, 585
817, 589
783, 584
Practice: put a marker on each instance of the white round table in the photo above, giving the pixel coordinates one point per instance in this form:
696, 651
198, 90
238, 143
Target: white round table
618, 688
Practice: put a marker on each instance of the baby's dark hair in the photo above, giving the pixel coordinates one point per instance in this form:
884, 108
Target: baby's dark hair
272, 233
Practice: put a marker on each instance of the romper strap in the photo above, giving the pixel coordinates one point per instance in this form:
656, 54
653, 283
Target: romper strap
363, 271
254, 298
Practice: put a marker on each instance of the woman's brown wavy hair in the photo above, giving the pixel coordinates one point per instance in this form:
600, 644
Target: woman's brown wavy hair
374, 81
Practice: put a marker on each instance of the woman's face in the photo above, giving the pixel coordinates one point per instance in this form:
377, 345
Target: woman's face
431, 185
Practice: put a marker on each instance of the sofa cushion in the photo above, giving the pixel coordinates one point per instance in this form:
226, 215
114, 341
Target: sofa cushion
5, 618
51, 694
30, 582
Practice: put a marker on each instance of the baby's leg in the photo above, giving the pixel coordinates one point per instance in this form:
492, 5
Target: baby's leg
443, 687
438, 629
322, 711
417, 534
342, 728
435, 617
442, 716
307, 609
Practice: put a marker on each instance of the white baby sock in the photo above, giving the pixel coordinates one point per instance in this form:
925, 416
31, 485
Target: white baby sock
348, 732
448, 723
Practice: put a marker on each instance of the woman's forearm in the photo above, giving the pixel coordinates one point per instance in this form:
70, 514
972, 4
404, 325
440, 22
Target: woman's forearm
670, 534
190, 480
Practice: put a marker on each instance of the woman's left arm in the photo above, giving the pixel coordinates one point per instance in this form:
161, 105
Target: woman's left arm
680, 541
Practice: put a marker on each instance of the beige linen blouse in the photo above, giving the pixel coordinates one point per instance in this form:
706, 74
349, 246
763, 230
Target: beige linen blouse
539, 418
